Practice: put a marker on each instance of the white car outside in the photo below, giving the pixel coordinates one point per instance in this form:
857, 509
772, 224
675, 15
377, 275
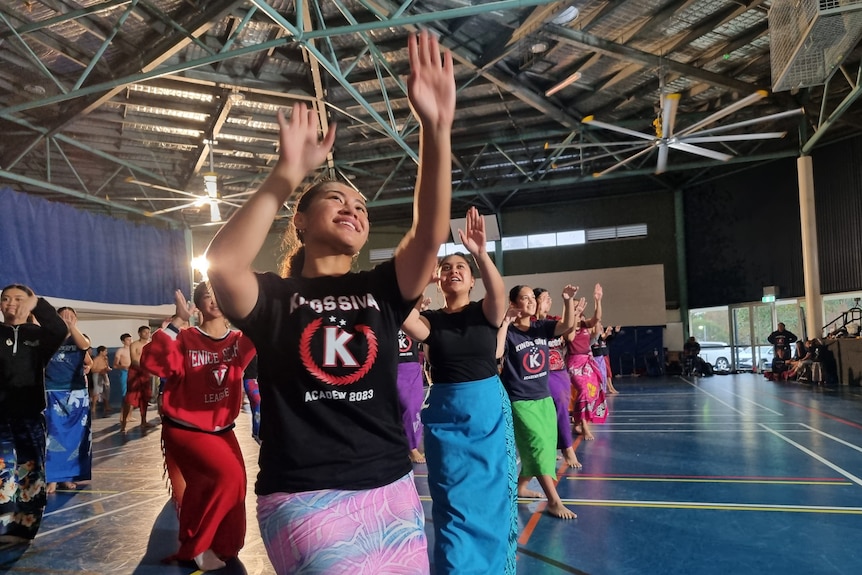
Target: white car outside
716, 353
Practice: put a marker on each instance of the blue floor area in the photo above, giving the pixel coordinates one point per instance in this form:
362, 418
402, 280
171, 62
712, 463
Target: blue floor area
729, 475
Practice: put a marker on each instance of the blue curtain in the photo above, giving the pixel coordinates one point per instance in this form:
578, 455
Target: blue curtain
65, 252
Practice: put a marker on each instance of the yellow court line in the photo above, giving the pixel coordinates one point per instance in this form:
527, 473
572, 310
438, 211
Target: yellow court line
716, 506
742, 481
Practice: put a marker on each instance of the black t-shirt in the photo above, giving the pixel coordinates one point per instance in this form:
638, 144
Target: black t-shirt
327, 360
526, 361
408, 348
462, 346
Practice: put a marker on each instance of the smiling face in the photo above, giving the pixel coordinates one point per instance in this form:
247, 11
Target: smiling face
13, 306
525, 301
456, 275
336, 219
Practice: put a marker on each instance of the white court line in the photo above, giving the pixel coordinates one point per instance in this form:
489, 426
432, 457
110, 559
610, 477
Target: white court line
833, 438
819, 458
100, 499
715, 397
96, 517
743, 398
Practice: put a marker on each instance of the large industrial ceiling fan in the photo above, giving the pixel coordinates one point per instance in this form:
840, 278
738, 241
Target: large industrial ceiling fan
689, 139
210, 197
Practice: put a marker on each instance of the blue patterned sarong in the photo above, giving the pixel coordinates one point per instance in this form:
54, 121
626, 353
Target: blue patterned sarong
69, 451
472, 477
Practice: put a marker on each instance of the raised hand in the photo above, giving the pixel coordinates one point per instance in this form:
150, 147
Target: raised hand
512, 314
184, 310
423, 303
580, 306
431, 85
569, 292
473, 237
300, 149
597, 293
69, 317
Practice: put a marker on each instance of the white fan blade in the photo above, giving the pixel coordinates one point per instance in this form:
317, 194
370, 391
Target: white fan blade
599, 156
158, 187
697, 150
726, 111
579, 146
624, 162
173, 209
668, 115
661, 165
744, 123
215, 214
733, 137
590, 120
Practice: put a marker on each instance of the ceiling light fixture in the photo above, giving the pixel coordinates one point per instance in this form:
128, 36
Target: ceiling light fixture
566, 16
539, 47
571, 79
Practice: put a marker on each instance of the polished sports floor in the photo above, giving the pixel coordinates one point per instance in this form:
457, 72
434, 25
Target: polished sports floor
729, 475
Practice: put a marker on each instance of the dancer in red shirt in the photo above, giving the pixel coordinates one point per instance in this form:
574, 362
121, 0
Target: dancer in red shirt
202, 396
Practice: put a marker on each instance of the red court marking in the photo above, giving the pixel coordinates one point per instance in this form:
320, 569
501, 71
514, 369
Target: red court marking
824, 414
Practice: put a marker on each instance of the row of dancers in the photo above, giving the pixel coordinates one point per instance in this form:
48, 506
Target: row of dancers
335, 489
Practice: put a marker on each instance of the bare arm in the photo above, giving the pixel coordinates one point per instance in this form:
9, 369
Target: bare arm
431, 90
570, 311
233, 249
597, 315
415, 325
511, 315
474, 239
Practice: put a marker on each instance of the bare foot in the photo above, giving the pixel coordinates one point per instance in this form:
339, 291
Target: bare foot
571, 458
560, 511
52, 487
530, 494
209, 561
68, 485
588, 436
579, 429
416, 456
147, 425
612, 390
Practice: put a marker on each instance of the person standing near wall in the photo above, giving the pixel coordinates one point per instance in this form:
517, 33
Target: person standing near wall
25, 350
100, 385
782, 338
69, 455
140, 389
122, 361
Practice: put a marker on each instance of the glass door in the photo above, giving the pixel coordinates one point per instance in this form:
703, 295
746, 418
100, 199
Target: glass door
741, 328
750, 325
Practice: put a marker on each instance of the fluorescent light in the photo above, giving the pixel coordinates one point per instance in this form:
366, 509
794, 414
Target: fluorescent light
571, 79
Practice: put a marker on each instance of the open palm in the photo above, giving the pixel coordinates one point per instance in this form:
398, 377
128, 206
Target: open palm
431, 85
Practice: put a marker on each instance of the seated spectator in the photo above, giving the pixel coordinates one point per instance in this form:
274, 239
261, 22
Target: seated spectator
800, 367
780, 365
690, 351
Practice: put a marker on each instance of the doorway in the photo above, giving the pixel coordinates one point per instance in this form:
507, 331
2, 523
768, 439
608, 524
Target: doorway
750, 325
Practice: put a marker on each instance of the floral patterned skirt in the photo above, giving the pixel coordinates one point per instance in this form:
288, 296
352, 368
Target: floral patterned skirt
23, 493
